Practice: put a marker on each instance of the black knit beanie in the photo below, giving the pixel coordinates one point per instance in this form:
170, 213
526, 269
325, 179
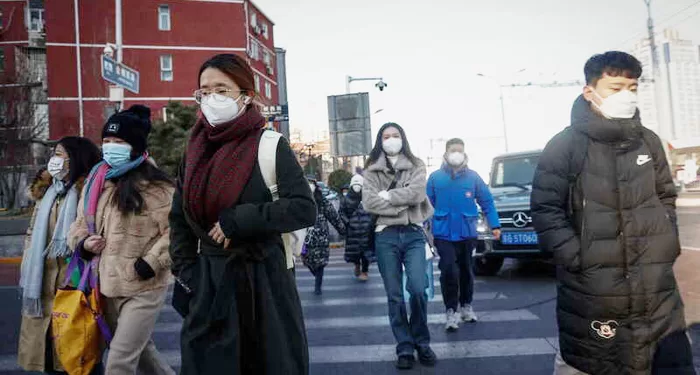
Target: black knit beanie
132, 125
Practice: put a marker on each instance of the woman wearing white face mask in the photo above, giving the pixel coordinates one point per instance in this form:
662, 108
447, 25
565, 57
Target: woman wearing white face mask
394, 190
242, 311
123, 217
56, 192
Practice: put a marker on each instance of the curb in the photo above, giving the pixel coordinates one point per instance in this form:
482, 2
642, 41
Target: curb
14, 260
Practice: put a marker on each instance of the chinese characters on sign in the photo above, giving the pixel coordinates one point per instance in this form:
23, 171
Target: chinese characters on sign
120, 74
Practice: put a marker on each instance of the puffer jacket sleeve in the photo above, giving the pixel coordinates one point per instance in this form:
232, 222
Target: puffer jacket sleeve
665, 188
158, 256
333, 217
485, 200
549, 201
295, 208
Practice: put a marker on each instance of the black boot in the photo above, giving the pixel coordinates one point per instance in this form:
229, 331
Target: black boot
319, 281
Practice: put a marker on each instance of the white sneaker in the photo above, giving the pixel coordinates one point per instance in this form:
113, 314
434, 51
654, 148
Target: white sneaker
452, 321
467, 313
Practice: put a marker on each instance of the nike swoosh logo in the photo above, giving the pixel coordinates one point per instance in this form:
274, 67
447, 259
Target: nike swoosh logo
643, 160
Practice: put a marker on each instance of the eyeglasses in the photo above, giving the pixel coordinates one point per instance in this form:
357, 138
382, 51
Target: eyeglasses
223, 92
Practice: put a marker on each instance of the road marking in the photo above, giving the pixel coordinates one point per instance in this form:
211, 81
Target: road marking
344, 275
381, 321
444, 350
387, 353
357, 301
363, 301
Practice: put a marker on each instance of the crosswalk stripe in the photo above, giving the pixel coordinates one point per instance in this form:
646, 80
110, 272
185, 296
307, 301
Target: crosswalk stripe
383, 299
446, 350
387, 353
378, 321
381, 321
343, 275
363, 301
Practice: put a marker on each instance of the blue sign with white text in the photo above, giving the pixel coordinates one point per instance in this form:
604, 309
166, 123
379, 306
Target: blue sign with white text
120, 74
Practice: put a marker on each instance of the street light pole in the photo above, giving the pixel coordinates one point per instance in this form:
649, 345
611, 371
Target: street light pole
503, 117
350, 79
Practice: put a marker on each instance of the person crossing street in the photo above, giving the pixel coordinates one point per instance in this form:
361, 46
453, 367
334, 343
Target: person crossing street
455, 190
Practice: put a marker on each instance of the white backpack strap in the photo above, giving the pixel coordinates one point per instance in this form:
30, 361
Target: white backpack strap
267, 159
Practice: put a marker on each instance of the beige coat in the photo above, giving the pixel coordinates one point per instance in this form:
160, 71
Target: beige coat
408, 202
34, 331
129, 237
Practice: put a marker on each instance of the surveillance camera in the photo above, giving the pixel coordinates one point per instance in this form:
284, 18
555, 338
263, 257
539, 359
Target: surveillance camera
108, 51
381, 85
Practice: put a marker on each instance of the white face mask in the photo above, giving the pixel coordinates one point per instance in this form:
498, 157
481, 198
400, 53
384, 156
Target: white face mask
619, 105
392, 146
219, 109
356, 188
55, 167
456, 159
312, 187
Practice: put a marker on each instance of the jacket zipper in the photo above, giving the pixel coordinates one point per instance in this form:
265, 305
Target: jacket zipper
621, 235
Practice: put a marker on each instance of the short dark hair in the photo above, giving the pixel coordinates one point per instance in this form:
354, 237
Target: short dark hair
614, 64
453, 141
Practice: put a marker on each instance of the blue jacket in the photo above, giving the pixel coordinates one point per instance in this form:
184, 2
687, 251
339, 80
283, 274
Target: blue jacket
455, 196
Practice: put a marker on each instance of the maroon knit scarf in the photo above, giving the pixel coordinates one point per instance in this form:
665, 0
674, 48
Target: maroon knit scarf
219, 163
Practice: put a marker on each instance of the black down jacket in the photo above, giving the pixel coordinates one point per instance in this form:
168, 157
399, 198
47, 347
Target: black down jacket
359, 225
612, 229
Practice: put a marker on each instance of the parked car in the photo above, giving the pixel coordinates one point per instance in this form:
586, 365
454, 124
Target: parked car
511, 186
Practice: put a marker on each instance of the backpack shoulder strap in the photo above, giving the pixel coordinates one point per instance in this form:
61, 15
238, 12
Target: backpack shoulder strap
267, 159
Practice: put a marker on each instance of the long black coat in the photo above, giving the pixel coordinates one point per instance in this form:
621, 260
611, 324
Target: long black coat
245, 315
359, 226
614, 237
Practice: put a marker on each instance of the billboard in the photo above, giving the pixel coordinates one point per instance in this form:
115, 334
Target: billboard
349, 124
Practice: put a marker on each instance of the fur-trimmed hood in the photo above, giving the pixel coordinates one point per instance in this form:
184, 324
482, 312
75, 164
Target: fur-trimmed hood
41, 183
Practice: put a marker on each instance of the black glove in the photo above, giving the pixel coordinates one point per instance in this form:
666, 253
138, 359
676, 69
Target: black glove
144, 270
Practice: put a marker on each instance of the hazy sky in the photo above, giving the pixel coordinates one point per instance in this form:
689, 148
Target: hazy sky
429, 52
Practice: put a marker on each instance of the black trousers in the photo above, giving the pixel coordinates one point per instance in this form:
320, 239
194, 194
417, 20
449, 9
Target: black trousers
456, 274
364, 263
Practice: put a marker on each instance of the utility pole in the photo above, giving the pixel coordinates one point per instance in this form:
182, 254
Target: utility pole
119, 44
652, 41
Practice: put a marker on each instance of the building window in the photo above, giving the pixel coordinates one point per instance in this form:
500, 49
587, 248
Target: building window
266, 31
254, 20
36, 20
268, 90
166, 68
254, 50
266, 58
257, 83
164, 18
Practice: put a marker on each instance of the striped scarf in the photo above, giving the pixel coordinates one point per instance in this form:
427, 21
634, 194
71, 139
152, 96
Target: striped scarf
96, 181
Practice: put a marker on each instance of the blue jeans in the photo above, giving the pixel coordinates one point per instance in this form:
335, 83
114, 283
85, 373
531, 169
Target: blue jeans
397, 246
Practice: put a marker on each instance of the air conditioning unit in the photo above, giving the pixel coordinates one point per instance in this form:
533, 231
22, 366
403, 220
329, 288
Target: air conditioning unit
270, 71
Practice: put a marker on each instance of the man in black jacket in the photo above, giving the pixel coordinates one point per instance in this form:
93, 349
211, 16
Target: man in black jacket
603, 202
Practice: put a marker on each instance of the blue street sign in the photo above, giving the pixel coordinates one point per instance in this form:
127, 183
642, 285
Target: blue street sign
120, 74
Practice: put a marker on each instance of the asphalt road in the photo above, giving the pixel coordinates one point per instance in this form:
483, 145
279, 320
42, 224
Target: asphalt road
348, 329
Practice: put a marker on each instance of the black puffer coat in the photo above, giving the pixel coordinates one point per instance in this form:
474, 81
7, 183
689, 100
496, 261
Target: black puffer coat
359, 226
613, 233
